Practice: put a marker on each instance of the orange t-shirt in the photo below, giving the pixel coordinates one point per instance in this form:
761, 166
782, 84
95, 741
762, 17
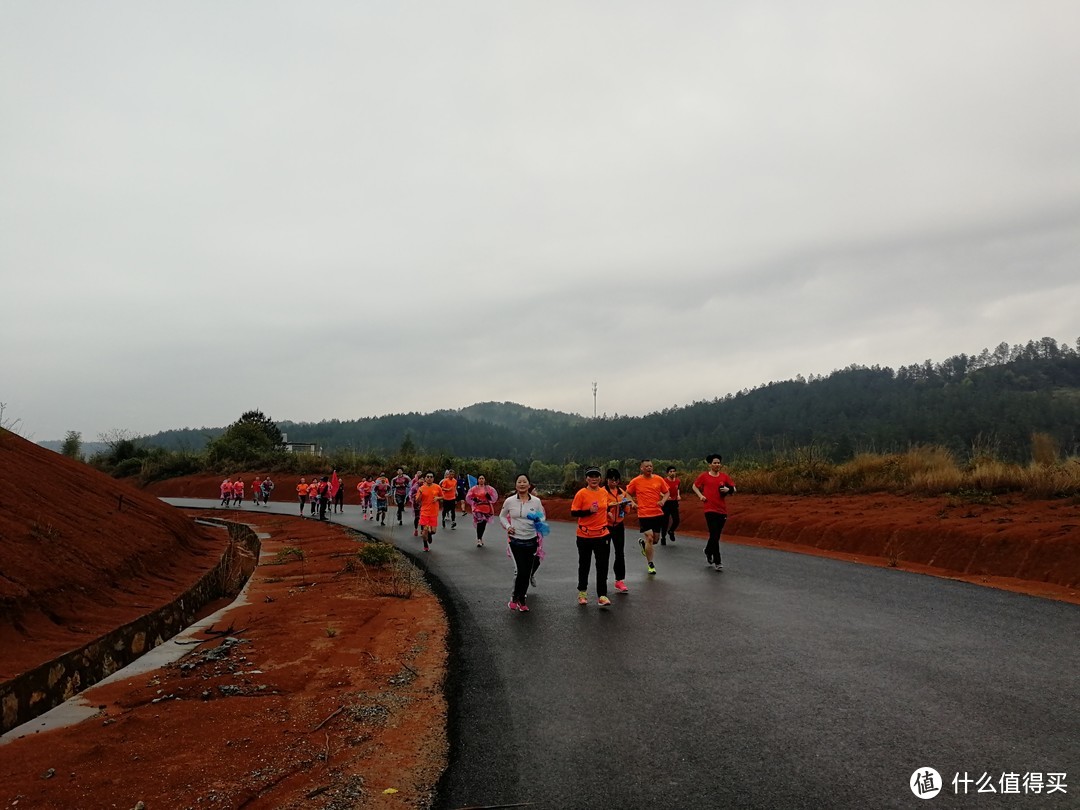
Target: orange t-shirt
648, 492
238, 488
429, 500
301, 490
449, 489
617, 512
596, 524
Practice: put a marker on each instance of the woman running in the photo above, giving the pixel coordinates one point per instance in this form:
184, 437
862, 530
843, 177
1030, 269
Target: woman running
482, 499
519, 516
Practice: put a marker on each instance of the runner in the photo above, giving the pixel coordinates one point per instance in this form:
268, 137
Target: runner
400, 484
339, 497
428, 496
380, 492
322, 497
267, 490
520, 515
364, 488
649, 493
462, 491
482, 500
449, 499
226, 491
238, 492
671, 507
417, 482
591, 507
256, 490
711, 487
617, 526
302, 493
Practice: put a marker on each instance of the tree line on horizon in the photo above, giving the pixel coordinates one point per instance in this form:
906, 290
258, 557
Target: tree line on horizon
989, 402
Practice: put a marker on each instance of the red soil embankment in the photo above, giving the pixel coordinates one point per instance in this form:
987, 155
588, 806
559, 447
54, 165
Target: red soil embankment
82, 553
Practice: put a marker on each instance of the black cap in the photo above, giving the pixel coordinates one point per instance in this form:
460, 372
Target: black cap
592, 471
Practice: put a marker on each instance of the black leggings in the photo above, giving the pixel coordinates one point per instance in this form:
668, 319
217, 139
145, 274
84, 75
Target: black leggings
671, 518
448, 512
587, 548
523, 559
715, 521
618, 543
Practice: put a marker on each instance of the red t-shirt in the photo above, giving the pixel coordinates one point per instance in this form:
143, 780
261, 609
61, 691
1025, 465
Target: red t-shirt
595, 524
673, 489
710, 488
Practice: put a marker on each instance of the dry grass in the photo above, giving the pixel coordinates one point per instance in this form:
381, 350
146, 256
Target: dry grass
923, 470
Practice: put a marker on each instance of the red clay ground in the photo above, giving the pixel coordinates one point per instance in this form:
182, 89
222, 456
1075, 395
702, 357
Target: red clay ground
335, 693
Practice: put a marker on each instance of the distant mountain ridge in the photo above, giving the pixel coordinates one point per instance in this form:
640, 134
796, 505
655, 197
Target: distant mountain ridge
990, 402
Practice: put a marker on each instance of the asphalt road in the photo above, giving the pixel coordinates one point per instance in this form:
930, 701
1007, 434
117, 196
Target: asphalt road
784, 681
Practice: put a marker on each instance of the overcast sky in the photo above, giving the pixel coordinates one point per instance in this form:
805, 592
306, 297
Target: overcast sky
344, 209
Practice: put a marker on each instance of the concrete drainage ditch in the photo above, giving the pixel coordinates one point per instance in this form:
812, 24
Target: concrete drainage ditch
34, 692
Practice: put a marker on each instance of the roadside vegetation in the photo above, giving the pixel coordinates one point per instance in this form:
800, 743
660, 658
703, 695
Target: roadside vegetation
805, 470
999, 421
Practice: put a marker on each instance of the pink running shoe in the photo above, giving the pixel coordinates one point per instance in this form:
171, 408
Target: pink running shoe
523, 607
513, 605
620, 586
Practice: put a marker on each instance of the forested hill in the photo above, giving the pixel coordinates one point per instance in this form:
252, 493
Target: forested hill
988, 402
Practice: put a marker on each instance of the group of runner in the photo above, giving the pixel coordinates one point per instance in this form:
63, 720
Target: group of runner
321, 494
233, 491
600, 509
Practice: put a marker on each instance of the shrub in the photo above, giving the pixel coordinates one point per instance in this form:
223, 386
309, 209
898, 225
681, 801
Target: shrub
377, 554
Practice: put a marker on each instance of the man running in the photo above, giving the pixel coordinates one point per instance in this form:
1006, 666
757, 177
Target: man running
380, 491
449, 499
671, 507
302, 493
428, 495
649, 492
400, 484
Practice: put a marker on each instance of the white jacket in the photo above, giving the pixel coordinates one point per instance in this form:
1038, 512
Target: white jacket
514, 513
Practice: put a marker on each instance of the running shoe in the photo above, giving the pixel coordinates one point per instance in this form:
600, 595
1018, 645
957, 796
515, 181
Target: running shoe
672, 538
719, 567
709, 561
620, 587
603, 601
415, 533
652, 569
479, 544
523, 607
513, 605
582, 598
453, 525
641, 542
